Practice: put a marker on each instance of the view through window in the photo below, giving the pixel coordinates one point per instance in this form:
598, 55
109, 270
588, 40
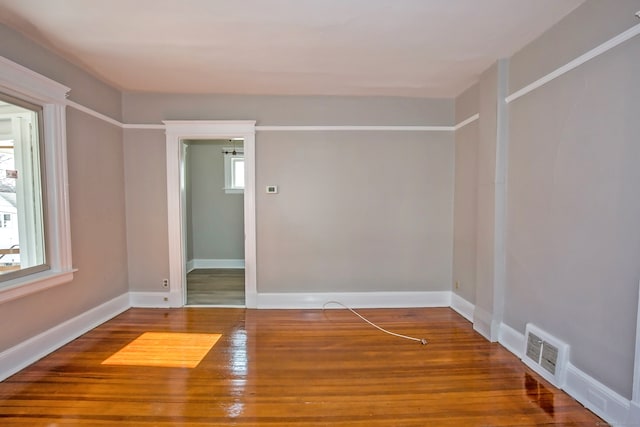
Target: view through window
234, 168
22, 236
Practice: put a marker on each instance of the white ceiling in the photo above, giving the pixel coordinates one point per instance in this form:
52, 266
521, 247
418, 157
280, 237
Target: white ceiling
416, 48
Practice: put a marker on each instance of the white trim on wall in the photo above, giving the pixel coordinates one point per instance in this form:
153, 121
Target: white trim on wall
463, 307
23, 83
482, 322
144, 127
299, 300
214, 263
27, 352
500, 201
20, 81
634, 412
636, 370
176, 132
94, 113
511, 339
597, 51
467, 121
285, 128
596, 397
155, 299
356, 128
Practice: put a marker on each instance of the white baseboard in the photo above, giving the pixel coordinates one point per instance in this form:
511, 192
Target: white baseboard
512, 340
214, 263
462, 306
634, 415
482, 322
354, 299
27, 352
154, 299
595, 396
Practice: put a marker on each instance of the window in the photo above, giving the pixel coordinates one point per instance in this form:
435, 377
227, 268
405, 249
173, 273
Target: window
233, 170
22, 241
35, 241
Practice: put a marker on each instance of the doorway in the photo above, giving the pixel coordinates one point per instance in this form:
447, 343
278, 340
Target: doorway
214, 216
176, 133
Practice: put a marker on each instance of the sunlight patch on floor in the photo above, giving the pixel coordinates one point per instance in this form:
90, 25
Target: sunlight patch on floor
165, 349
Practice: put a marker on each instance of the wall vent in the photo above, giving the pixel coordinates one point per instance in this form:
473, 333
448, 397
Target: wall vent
546, 355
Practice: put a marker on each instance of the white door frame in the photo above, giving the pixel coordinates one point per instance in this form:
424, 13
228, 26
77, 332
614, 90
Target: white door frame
176, 132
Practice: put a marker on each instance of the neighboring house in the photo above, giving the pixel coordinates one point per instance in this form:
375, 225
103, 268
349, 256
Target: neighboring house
8, 228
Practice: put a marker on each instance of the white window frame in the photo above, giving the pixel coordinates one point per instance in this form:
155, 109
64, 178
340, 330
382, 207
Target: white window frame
230, 160
22, 83
30, 207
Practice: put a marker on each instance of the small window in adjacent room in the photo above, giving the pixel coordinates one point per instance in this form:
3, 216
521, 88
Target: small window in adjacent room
233, 169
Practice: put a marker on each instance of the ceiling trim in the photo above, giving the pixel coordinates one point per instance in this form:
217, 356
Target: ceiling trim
357, 128
597, 51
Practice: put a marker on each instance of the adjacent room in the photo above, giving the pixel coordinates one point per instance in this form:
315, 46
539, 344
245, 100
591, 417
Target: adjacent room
337, 212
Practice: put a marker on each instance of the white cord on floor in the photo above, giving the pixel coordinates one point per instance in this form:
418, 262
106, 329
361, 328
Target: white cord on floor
420, 340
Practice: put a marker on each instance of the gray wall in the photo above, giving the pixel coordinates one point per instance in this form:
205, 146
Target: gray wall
573, 227
363, 211
152, 108
573, 236
485, 182
96, 198
357, 211
465, 197
216, 219
146, 207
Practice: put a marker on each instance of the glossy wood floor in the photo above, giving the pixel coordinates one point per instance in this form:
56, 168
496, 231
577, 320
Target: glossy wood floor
216, 286
290, 368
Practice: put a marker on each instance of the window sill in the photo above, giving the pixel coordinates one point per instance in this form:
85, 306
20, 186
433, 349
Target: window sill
234, 191
23, 286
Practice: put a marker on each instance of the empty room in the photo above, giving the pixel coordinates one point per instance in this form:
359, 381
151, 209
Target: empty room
337, 212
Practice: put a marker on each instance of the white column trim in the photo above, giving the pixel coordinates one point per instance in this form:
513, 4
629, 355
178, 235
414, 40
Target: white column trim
500, 200
636, 365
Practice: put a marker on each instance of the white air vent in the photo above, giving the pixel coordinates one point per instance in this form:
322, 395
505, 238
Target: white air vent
546, 355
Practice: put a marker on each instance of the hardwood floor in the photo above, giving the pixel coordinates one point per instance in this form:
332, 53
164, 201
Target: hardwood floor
290, 368
216, 286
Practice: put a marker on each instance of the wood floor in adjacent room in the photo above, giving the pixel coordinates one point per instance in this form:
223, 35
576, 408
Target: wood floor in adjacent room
287, 368
216, 286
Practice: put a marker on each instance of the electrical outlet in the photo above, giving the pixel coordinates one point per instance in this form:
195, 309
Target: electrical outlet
457, 285
165, 283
